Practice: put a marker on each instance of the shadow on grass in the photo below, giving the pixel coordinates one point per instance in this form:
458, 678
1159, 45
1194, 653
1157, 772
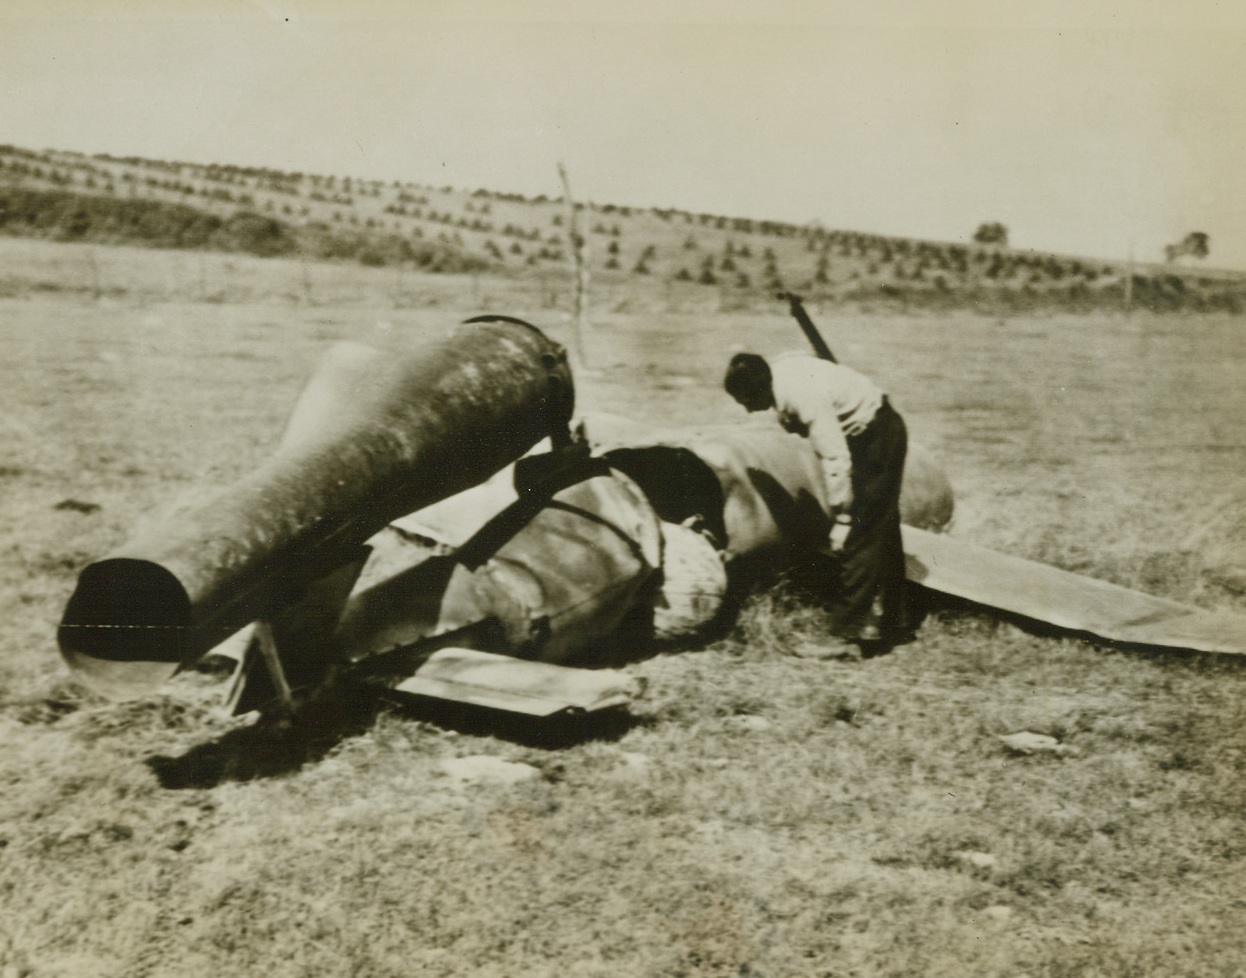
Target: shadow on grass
272, 746
557, 732
275, 747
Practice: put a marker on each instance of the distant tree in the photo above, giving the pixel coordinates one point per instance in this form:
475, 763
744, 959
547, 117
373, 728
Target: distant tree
991, 233
1196, 244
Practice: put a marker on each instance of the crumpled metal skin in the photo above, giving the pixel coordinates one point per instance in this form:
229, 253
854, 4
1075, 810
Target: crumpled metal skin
374, 435
549, 577
572, 575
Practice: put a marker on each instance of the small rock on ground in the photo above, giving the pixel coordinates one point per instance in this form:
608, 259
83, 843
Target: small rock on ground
1025, 742
748, 721
979, 860
483, 769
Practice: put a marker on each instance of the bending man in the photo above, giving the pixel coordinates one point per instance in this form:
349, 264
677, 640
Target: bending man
861, 442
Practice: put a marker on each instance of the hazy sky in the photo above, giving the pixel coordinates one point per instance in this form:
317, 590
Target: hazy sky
1086, 127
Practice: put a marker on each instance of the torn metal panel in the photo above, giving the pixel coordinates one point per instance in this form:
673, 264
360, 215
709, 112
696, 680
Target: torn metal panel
1067, 600
555, 576
501, 682
648, 535
453, 521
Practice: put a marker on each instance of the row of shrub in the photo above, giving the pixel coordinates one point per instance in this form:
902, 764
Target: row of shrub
965, 276
66, 216
63, 216
1152, 293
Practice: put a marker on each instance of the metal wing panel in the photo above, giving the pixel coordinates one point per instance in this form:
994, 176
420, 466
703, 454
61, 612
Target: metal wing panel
1066, 600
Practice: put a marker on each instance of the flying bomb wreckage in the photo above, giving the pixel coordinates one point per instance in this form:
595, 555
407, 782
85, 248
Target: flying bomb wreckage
431, 520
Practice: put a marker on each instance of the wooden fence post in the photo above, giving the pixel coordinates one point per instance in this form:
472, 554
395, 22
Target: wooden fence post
579, 258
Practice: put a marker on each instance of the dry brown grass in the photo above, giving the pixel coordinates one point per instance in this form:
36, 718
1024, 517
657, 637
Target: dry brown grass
779, 807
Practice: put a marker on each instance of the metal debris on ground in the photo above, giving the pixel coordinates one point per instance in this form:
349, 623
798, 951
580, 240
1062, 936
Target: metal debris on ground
502, 682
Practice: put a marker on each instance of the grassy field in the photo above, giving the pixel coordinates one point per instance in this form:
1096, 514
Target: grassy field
778, 807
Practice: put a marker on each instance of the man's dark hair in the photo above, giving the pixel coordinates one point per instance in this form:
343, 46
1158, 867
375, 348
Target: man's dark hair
747, 374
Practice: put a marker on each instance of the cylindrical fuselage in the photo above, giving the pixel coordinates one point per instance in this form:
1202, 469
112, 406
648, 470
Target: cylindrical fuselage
373, 436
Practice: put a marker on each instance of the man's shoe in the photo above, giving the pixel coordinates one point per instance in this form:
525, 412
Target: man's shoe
872, 648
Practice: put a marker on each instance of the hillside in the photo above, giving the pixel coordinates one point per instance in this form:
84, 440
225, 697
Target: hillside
73, 197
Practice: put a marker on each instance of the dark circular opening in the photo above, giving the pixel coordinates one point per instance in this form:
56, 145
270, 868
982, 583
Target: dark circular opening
126, 610
676, 481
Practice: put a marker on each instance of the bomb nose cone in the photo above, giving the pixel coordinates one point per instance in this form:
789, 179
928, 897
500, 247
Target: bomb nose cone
124, 629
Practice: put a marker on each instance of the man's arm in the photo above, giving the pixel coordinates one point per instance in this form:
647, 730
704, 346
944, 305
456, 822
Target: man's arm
828, 442
804, 408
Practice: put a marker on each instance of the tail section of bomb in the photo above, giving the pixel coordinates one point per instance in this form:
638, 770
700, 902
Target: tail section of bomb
373, 436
